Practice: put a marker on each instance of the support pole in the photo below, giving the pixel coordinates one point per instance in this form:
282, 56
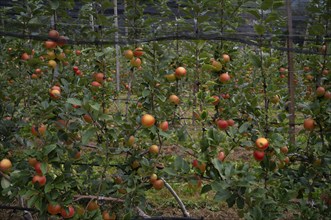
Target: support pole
118, 54
291, 85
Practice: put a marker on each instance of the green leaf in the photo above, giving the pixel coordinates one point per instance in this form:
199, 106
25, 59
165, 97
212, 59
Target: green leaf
43, 168
170, 171
96, 106
240, 202
266, 4
88, 134
243, 128
255, 60
74, 101
32, 200
54, 4
207, 67
49, 148
222, 195
206, 188
204, 115
146, 93
255, 13
4, 183
259, 29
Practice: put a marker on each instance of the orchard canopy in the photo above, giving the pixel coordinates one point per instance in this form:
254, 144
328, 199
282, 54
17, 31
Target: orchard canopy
165, 109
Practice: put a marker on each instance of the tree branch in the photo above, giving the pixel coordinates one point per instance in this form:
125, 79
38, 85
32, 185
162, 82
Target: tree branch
181, 204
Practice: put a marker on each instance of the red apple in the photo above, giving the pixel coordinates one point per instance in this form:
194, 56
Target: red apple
5, 165
309, 124
180, 72
221, 156
154, 149
262, 143
224, 77
53, 34
258, 155
216, 100
226, 58
164, 126
68, 212
53, 209
128, 54
320, 91
138, 52
147, 120
40, 179
222, 124
174, 99
158, 184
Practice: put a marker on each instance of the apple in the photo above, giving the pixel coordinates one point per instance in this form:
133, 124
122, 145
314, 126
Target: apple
282, 76
37, 167
34, 76
38, 71
55, 94
87, 118
282, 70
217, 65
284, 149
195, 163
222, 124
52, 64
49, 44
40, 179
53, 209
128, 54
147, 120
78, 52
306, 68
5, 165
135, 62
327, 95
138, 52
230, 122
25, 56
32, 161
99, 77
154, 149
95, 84
158, 184
135, 164
224, 77
216, 100
170, 77
325, 72
258, 155
80, 210
309, 124
153, 178
75, 68
320, 91
61, 56
78, 73
180, 72
131, 140
174, 99
225, 96
38, 131
262, 143
68, 212
221, 156
77, 155
92, 205
202, 167
53, 34
62, 41
164, 126
275, 99
286, 160
226, 58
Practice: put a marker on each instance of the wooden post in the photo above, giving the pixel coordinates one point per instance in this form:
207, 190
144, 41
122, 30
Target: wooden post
118, 54
291, 85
